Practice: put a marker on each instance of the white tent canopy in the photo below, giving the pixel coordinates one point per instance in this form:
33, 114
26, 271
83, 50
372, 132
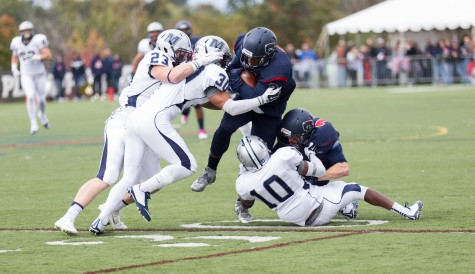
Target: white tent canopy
407, 15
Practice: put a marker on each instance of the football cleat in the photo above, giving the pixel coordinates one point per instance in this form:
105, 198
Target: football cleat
114, 219
206, 178
202, 134
415, 211
97, 227
141, 200
46, 125
184, 119
66, 225
350, 212
242, 213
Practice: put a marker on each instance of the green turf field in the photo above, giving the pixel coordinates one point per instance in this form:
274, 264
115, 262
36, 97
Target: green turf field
409, 143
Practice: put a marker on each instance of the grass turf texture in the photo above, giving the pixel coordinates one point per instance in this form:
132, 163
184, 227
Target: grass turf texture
414, 143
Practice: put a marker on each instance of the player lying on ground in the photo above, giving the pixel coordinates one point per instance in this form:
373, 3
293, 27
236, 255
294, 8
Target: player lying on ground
278, 182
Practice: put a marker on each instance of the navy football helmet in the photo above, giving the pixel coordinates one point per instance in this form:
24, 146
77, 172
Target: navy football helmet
258, 48
184, 26
297, 126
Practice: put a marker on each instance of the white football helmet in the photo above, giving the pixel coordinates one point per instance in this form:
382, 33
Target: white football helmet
252, 152
26, 25
176, 44
212, 43
154, 26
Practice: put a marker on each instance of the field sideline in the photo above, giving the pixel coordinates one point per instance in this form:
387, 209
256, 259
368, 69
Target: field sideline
409, 143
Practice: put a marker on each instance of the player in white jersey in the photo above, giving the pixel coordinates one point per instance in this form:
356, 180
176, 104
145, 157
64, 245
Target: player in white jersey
147, 44
30, 50
277, 181
150, 127
154, 69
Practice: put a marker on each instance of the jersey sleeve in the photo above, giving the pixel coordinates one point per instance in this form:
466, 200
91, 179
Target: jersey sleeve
215, 77
157, 58
13, 45
144, 46
41, 41
289, 156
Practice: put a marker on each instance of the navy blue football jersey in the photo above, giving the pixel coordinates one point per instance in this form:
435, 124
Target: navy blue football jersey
278, 73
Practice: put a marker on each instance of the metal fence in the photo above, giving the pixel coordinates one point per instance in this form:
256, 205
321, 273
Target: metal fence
395, 70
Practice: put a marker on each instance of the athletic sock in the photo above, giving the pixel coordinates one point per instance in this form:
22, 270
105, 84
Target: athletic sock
399, 209
74, 211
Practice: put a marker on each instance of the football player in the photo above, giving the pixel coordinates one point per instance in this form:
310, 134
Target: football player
278, 182
150, 127
30, 50
156, 68
186, 27
256, 52
147, 44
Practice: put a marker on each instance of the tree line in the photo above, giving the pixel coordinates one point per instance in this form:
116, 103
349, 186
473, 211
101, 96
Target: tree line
88, 26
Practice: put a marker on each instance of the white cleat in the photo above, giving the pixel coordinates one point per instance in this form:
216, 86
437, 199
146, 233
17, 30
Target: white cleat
114, 219
141, 201
242, 213
97, 227
66, 225
202, 134
350, 212
415, 211
206, 178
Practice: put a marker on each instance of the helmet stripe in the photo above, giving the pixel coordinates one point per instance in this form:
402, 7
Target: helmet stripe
252, 154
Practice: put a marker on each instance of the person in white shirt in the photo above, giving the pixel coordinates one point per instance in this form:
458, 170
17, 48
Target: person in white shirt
30, 50
154, 69
147, 44
149, 127
278, 182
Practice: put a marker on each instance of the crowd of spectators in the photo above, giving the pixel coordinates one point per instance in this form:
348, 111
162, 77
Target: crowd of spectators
98, 80
375, 63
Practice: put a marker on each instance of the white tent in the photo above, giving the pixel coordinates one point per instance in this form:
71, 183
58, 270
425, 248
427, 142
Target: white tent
407, 15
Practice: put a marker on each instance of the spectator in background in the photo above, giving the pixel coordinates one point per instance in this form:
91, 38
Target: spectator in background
466, 53
78, 70
116, 72
341, 62
107, 61
433, 54
366, 63
97, 69
290, 50
414, 53
307, 64
399, 61
354, 59
382, 53
447, 66
458, 56
59, 70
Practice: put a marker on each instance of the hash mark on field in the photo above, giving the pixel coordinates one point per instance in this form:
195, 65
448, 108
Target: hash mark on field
227, 253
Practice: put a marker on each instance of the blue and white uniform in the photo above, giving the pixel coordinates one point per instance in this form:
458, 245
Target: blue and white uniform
33, 76
284, 190
131, 97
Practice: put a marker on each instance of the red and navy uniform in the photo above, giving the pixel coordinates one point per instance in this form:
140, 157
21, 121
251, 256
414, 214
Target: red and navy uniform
266, 125
326, 144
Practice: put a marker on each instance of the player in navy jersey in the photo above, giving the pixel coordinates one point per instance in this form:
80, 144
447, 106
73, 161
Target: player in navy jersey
301, 130
258, 53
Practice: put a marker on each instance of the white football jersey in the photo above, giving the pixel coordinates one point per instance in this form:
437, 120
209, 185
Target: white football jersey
25, 52
194, 90
143, 84
281, 187
144, 46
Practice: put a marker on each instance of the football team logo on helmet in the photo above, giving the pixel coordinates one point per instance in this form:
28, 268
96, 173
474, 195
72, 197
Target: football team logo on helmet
320, 122
217, 44
173, 39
